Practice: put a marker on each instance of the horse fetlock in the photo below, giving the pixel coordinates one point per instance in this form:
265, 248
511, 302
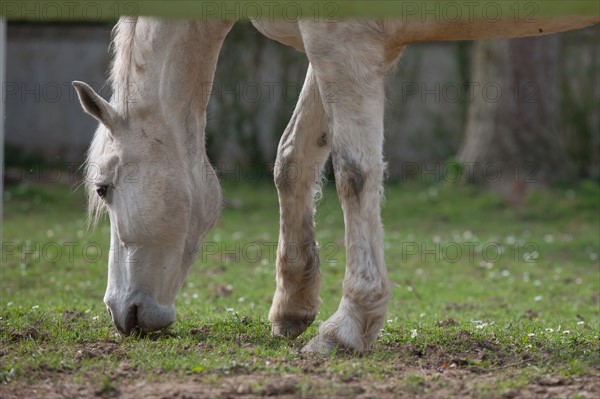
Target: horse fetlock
353, 328
340, 333
367, 294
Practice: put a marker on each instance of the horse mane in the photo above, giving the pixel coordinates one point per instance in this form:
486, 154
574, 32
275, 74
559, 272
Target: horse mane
122, 48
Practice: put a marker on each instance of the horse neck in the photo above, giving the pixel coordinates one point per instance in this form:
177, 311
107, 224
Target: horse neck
171, 70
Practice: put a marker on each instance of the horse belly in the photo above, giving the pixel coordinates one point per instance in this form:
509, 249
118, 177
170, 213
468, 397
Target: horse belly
284, 32
418, 31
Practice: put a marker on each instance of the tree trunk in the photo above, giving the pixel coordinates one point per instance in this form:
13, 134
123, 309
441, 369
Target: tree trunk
512, 139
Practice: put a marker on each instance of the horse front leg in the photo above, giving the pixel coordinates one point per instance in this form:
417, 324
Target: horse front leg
302, 152
353, 69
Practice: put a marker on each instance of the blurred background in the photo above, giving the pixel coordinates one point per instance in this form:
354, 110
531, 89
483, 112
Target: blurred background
527, 104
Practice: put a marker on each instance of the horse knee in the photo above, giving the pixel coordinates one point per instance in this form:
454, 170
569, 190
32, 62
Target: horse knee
286, 172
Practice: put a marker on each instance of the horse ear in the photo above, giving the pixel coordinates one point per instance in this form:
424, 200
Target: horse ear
95, 105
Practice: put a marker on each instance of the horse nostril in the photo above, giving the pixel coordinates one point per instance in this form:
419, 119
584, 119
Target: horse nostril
125, 321
131, 320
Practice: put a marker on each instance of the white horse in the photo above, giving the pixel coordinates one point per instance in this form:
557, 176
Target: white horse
147, 165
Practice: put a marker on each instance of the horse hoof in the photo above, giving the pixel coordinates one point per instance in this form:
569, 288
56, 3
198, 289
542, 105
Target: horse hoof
290, 328
320, 346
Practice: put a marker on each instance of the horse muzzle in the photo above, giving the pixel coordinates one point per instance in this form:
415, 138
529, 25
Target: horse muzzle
141, 314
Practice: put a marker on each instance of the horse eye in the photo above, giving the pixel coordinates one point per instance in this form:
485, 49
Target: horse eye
101, 191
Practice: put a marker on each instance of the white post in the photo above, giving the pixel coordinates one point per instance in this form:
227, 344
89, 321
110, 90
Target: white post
2, 117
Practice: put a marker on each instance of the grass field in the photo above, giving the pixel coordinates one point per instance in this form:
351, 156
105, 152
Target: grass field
488, 301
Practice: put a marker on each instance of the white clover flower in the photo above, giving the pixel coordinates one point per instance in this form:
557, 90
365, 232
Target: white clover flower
481, 325
487, 265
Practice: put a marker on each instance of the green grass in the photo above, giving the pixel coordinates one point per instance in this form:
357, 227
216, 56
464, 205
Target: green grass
533, 307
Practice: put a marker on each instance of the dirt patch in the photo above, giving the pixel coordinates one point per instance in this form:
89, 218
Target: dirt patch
530, 314
70, 316
28, 333
583, 387
463, 349
468, 365
449, 322
408, 383
98, 350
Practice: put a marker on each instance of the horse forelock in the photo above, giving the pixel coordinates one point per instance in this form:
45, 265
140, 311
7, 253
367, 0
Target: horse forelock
95, 205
